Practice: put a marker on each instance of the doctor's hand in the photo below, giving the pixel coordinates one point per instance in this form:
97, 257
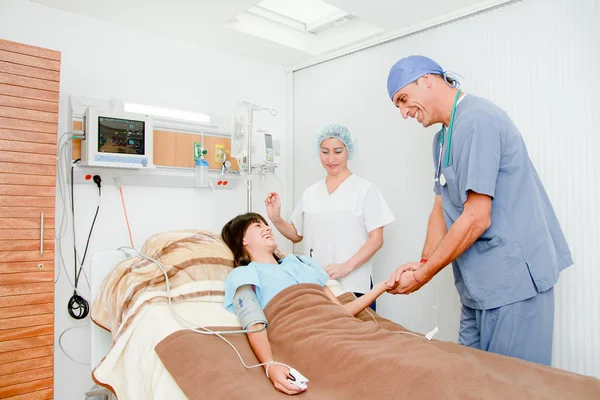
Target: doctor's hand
278, 375
273, 204
399, 281
336, 271
408, 283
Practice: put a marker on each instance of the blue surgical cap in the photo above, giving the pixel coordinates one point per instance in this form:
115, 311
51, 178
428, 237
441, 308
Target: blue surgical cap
408, 70
338, 132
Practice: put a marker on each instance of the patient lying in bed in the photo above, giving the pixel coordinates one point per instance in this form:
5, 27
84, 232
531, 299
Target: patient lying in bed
258, 267
345, 357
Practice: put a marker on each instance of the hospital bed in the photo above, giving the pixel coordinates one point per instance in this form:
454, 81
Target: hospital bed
130, 368
139, 350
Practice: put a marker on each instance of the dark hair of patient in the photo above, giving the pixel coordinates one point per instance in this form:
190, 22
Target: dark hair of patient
233, 235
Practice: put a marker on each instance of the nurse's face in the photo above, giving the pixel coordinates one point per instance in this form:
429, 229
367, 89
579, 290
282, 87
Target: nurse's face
414, 101
334, 156
259, 238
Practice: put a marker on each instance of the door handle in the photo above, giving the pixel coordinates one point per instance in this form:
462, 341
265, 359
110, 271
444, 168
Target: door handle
42, 233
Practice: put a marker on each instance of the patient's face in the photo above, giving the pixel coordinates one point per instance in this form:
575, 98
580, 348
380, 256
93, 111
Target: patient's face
259, 238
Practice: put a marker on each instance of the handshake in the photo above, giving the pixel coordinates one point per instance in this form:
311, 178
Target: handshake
407, 278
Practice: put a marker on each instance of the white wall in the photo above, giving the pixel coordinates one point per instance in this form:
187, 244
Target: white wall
104, 61
538, 59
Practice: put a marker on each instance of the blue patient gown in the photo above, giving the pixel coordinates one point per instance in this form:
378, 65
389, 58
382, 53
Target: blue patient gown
505, 279
270, 279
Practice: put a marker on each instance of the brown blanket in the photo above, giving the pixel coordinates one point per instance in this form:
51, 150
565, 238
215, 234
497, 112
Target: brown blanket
357, 358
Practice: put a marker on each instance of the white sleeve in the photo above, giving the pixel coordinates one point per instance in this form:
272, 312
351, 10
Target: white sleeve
297, 218
376, 211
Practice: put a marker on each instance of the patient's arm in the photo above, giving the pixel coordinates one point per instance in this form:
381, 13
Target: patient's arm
278, 374
364, 301
259, 341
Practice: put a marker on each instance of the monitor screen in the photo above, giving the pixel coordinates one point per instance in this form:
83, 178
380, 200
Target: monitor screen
268, 141
121, 136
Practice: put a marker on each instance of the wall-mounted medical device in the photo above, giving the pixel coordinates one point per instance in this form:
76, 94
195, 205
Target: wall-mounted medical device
117, 139
266, 151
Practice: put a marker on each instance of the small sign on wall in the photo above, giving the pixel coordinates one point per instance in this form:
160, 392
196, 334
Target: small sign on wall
197, 150
219, 153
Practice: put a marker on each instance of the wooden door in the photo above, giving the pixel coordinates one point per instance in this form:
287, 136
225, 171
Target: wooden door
29, 86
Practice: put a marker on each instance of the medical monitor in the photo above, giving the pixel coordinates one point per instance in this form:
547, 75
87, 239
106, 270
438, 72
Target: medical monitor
117, 139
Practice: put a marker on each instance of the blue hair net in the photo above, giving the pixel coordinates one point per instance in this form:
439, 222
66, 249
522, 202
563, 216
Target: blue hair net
338, 132
409, 69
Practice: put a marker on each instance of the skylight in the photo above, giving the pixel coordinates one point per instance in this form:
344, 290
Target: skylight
310, 26
308, 16
304, 11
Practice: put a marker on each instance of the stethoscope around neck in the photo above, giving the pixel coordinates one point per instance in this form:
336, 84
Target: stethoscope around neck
439, 176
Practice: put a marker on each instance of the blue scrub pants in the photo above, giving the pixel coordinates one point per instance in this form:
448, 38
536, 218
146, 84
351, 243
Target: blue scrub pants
522, 330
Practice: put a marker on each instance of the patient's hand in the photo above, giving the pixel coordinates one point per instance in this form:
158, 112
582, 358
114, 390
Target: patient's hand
408, 284
394, 279
336, 271
278, 374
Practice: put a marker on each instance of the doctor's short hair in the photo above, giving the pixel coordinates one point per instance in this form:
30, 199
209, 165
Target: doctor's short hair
233, 235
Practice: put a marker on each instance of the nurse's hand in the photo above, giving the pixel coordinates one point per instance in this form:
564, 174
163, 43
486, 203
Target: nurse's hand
273, 204
278, 374
336, 271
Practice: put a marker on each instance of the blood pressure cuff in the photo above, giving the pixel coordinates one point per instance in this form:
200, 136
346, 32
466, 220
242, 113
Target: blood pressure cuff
248, 309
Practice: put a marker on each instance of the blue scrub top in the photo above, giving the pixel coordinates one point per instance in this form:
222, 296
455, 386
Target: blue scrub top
270, 279
524, 250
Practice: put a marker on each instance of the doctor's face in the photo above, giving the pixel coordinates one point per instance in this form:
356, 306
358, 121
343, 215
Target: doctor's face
413, 101
334, 156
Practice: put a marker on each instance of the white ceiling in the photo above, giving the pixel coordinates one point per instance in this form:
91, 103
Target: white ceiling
227, 25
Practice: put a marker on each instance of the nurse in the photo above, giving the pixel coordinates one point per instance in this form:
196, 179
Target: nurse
340, 218
491, 217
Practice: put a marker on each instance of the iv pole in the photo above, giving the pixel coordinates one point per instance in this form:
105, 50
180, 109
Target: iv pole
251, 109
249, 177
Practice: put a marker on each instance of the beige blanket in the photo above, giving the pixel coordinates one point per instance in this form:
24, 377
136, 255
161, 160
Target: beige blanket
132, 305
357, 358
190, 258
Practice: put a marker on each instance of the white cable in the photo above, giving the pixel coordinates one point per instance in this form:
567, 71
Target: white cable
62, 166
403, 332
63, 349
410, 333
273, 362
61, 232
437, 311
281, 183
205, 331
57, 269
64, 218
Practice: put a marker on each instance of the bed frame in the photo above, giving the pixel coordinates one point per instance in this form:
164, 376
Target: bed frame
101, 340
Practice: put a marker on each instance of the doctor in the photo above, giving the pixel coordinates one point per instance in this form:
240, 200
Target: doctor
491, 217
340, 218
